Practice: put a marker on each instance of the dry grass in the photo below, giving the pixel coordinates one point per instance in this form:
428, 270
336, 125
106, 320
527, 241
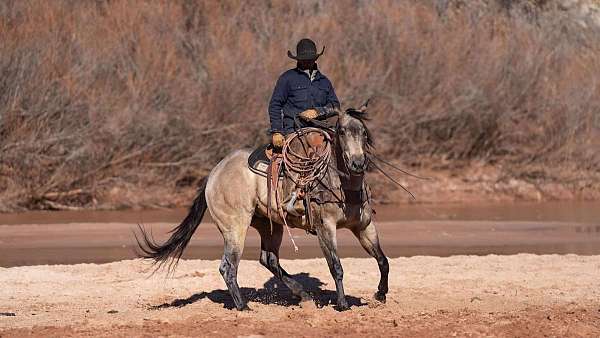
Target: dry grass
102, 94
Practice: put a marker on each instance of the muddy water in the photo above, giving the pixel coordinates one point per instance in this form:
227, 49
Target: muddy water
443, 230
579, 212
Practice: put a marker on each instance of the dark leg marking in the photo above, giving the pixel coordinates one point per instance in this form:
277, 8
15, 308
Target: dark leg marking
327, 241
228, 269
370, 242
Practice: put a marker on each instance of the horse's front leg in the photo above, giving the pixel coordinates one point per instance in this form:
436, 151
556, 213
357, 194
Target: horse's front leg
270, 241
327, 239
370, 242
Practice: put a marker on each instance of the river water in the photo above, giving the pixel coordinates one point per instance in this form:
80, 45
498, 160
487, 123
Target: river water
41, 237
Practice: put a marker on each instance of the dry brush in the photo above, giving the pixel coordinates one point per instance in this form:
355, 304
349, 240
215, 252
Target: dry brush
104, 95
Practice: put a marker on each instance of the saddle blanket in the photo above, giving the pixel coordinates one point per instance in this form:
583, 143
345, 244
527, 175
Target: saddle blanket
258, 161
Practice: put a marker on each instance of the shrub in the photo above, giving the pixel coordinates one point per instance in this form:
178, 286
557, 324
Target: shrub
100, 94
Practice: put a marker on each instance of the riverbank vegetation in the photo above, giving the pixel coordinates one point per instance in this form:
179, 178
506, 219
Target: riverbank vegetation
115, 104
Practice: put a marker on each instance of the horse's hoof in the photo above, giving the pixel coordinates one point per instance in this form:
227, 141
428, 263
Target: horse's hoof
342, 307
380, 297
305, 297
244, 308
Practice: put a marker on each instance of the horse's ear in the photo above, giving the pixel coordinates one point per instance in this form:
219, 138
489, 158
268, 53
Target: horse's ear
338, 110
363, 108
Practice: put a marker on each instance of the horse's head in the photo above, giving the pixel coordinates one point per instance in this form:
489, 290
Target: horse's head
354, 138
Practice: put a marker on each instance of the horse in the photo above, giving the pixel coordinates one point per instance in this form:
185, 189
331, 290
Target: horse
238, 199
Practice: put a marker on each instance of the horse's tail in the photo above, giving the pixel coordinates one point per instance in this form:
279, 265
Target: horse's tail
172, 249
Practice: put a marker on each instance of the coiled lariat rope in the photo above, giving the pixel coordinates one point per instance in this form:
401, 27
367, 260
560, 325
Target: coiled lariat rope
305, 166
306, 169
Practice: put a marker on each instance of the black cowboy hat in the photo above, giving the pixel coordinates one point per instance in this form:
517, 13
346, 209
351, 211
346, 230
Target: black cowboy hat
306, 50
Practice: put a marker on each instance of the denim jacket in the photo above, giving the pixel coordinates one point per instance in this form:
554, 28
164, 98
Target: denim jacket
294, 93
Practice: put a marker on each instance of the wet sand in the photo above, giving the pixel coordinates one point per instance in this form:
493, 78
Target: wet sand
96, 237
35, 244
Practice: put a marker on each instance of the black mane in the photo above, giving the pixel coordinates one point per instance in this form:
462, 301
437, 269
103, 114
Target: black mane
357, 114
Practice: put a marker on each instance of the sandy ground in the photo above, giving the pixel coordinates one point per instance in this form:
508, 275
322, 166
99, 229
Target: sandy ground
519, 295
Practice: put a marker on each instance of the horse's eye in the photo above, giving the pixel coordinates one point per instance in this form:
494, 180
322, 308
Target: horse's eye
341, 132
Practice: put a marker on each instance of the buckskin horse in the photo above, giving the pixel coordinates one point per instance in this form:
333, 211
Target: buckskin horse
238, 199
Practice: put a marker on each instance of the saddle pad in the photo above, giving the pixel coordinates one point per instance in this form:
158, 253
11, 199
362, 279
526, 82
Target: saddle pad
258, 162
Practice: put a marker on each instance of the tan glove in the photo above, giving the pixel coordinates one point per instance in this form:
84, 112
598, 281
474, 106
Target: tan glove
277, 140
310, 114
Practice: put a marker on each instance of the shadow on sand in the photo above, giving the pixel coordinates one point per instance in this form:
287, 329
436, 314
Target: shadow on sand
273, 292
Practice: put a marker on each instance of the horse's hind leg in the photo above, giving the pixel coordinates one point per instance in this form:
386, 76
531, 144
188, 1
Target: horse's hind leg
270, 241
234, 246
231, 200
370, 242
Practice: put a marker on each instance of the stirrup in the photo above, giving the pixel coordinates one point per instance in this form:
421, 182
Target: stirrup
289, 207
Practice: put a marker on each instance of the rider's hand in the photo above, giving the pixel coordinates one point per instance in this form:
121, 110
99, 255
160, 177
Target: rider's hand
310, 114
277, 140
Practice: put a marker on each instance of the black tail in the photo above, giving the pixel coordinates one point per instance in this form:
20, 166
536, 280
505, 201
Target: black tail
172, 249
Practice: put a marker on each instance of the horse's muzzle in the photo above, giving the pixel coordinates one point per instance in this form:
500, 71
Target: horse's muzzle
357, 164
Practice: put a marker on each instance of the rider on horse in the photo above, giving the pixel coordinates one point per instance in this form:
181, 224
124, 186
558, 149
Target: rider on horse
303, 91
